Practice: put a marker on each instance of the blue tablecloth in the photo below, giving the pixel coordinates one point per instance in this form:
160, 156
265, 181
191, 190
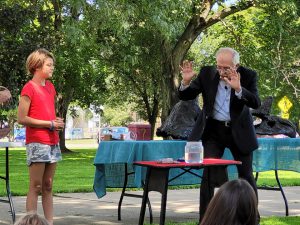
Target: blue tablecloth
279, 154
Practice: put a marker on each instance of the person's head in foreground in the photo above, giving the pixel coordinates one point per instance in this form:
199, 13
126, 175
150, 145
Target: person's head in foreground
235, 203
32, 219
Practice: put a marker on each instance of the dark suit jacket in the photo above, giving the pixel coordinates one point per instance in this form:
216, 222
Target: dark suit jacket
241, 120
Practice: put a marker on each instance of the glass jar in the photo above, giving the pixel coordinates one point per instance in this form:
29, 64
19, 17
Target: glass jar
193, 152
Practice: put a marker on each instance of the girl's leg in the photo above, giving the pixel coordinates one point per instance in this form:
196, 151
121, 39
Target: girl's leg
36, 172
47, 198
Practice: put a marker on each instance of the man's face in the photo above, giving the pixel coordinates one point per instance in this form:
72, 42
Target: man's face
225, 64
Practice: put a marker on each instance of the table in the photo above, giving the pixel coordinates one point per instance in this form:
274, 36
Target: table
277, 154
6, 145
114, 161
114, 165
157, 179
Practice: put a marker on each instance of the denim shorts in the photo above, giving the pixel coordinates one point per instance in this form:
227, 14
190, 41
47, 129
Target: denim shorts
37, 152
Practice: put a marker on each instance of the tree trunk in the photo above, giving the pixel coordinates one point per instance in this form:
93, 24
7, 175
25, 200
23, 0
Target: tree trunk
152, 122
63, 103
62, 137
152, 118
169, 81
152, 110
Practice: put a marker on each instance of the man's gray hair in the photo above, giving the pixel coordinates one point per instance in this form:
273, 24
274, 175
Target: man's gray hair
235, 54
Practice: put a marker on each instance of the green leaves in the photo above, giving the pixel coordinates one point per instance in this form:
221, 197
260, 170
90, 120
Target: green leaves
119, 52
265, 37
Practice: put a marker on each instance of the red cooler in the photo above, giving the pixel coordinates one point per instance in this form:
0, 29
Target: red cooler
142, 131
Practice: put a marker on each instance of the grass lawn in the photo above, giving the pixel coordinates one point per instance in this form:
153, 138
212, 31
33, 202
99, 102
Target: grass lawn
264, 221
76, 173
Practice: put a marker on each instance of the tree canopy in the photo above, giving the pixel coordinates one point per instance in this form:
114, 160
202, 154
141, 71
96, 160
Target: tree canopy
127, 53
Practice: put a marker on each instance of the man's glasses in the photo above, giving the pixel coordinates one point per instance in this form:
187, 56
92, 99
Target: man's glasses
223, 68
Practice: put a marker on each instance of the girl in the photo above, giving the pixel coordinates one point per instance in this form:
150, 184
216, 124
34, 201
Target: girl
37, 112
235, 203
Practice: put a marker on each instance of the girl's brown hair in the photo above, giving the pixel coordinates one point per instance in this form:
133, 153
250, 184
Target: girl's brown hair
235, 203
36, 59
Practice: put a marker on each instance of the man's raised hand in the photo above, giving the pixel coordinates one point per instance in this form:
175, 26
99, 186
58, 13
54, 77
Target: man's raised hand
234, 80
187, 72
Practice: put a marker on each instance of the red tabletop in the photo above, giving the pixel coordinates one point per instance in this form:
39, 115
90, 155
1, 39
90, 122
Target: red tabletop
206, 162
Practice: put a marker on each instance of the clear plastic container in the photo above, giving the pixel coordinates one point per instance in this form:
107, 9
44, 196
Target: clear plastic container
193, 152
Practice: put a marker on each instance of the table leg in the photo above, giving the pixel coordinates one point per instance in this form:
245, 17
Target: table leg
156, 180
256, 176
145, 197
208, 181
163, 207
12, 210
276, 189
123, 193
282, 193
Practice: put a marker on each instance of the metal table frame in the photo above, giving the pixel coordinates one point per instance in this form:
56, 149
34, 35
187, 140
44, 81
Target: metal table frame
279, 188
124, 194
157, 179
6, 178
6, 145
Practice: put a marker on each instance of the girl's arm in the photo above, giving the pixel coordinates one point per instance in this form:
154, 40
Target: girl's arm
25, 120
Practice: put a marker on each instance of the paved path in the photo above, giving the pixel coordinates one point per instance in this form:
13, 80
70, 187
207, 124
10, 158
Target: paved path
182, 205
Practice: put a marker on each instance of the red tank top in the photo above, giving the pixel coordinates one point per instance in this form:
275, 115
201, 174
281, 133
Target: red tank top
42, 107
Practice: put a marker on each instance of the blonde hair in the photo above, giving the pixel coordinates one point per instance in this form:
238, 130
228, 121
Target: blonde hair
36, 59
32, 219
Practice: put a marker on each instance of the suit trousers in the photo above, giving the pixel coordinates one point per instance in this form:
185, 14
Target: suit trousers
216, 137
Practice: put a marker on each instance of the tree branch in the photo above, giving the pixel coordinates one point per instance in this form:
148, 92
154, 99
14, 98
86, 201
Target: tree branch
57, 14
192, 29
200, 22
291, 74
228, 11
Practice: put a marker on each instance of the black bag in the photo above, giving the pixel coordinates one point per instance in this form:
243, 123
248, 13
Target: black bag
272, 125
181, 120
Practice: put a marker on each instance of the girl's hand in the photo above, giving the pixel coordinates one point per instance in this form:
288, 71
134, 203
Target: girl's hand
59, 124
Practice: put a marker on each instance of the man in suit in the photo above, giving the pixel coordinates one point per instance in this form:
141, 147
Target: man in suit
228, 91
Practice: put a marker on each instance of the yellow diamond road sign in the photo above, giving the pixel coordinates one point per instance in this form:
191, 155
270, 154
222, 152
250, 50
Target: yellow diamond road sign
285, 104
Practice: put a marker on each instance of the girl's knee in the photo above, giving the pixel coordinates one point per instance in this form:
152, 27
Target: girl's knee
36, 187
47, 185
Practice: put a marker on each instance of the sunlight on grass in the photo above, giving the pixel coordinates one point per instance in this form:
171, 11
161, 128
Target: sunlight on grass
291, 220
264, 221
74, 174
287, 178
81, 141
